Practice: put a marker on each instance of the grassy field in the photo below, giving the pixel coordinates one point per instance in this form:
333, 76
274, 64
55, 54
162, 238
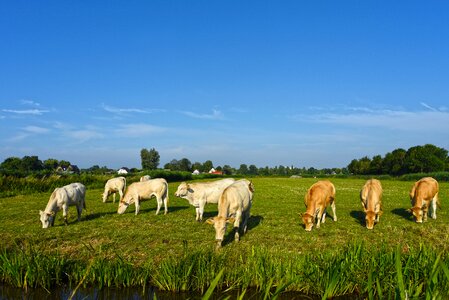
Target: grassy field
275, 230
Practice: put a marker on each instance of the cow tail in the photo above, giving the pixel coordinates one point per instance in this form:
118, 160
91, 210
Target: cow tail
166, 192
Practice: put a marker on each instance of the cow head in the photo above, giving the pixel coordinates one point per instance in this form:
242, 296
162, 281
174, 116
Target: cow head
105, 196
183, 190
220, 224
124, 203
370, 219
46, 219
417, 213
308, 221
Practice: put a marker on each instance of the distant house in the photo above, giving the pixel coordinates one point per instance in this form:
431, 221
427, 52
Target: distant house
123, 171
195, 172
213, 171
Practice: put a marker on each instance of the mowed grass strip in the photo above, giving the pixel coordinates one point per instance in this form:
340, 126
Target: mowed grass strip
276, 233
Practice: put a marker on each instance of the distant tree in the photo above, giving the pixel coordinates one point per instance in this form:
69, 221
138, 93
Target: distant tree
427, 158
252, 170
393, 163
243, 170
227, 170
207, 165
375, 167
197, 166
31, 163
150, 159
64, 164
11, 164
51, 164
185, 165
173, 165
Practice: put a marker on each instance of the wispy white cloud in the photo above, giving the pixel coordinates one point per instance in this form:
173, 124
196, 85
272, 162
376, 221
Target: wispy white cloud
137, 130
215, 115
84, 135
18, 137
117, 110
26, 111
358, 117
428, 106
35, 129
29, 102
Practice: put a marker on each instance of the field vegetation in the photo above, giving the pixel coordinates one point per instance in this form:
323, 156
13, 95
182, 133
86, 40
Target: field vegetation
173, 252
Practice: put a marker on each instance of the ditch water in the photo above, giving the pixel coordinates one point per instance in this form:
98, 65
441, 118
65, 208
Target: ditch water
11, 293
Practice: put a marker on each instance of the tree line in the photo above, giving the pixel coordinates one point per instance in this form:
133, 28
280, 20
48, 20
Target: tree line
418, 159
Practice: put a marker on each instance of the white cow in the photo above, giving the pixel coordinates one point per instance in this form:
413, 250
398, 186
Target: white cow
62, 198
145, 190
113, 186
198, 194
233, 207
145, 178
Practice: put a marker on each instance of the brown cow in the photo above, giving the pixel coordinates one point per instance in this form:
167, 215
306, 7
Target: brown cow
318, 197
423, 193
371, 197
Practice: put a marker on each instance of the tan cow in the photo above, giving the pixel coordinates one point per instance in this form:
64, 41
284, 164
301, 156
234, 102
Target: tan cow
371, 197
62, 198
423, 194
114, 186
233, 207
145, 190
200, 193
318, 197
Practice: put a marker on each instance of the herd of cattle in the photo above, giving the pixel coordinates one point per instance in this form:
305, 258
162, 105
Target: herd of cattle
234, 198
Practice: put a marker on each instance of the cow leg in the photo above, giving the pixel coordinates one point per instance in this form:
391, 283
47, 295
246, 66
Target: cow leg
65, 209
159, 204
245, 223
121, 194
201, 211
320, 214
334, 209
198, 218
113, 196
79, 208
424, 213
434, 206
166, 205
137, 205
323, 218
238, 217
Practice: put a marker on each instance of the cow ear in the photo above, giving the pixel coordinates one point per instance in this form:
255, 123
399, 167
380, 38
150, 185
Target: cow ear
52, 214
230, 220
210, 221
300, 214
41, 212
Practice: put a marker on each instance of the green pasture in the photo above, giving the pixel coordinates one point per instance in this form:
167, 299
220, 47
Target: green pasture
275, 230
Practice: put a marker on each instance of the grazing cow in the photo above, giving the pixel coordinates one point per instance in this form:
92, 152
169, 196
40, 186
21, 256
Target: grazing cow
234, 206
62, 198
198, 194
113, 186
423, 194
371, 197
145, 190
318, 197
145, 178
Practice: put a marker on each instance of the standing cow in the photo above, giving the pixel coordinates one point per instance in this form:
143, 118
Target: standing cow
319, 196
62, 198
113, 186
423, 194
145, 190
198, 194
233, 207
371, 197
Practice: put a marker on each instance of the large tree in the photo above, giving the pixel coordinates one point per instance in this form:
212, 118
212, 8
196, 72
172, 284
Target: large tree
150, 159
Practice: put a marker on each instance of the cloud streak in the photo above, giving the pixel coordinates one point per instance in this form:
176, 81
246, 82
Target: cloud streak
26, 111
116, 110
215, 115
138, 130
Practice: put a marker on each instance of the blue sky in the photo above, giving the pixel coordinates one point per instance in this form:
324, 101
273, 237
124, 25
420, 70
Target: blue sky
303, 83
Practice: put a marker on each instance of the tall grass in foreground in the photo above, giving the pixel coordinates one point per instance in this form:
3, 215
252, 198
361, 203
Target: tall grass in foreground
355, 270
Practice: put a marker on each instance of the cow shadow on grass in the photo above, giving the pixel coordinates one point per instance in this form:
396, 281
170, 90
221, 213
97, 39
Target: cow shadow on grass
171, 209
359, 216
253, 222
404, 213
